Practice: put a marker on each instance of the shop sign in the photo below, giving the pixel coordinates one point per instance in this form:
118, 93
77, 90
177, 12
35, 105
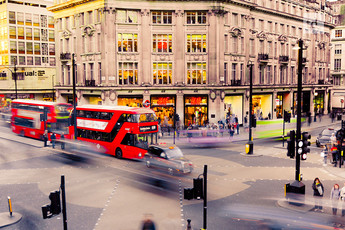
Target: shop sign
163, 101
195, 100
277, 102
148, 128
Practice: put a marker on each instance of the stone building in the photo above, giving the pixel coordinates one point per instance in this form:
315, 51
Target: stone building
191, 57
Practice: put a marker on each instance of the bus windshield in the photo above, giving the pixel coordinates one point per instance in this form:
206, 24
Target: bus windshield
144, 117
140, 140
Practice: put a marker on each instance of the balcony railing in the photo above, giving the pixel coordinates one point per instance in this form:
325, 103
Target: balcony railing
65, 56
90, 83
235, 82
263, 57
283, 58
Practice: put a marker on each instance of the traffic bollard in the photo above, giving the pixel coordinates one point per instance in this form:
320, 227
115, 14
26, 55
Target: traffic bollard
189, 226
9, 205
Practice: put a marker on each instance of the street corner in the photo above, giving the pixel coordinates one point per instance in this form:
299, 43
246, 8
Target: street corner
6, 219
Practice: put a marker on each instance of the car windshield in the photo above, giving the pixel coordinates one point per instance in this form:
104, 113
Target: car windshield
327, 132
174, 152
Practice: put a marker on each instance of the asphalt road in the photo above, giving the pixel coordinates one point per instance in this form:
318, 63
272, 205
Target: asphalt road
106, 193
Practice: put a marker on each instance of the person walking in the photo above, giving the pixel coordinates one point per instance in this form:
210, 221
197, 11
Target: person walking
148, 223
342, 198
62, 138
45, 138
333, 140
53, 139
335, 195
325, 155
318, 194
237, 125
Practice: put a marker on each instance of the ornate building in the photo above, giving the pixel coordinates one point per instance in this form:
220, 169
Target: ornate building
191, 57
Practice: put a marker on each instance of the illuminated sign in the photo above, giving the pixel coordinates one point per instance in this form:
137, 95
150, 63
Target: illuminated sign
148, 128
91, 124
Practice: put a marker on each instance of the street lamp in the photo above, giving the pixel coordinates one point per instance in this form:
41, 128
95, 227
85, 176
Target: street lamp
74, 99
250, 144
14, 75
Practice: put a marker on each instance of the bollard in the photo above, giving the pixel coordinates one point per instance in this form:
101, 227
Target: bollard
9, 205
189, 226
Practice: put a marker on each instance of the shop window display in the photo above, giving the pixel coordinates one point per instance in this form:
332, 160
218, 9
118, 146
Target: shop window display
196, 111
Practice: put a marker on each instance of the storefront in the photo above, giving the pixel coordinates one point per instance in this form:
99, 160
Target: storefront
131, 101
282, 102
48, 97
262, 106
305, 103
95, 100
195, 110
233, 105
319, 98
164, 107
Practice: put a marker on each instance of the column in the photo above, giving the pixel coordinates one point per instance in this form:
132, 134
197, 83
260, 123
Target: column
212, 48
110, 59
179, 50
274, 114
180, 106
325, 100
145, 38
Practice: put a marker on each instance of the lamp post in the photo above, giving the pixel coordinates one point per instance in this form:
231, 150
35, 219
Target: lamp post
15, 77
74, 99
53, 87
250, 144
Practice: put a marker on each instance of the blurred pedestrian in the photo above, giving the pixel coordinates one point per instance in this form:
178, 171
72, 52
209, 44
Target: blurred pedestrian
246, 123
62, 138
237, 125
53, 139
45, 138
342, 198
309, 118
324, 154
148, 223
318, 194
333, 140
332, 116
335, 195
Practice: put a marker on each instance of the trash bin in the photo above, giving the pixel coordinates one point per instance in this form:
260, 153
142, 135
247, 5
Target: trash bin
339, 117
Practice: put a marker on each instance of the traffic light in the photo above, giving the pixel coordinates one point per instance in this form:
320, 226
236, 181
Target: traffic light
253, 121
287, 116
44, 115
291, 145
54, 208
198, 187
188, 194
306, 144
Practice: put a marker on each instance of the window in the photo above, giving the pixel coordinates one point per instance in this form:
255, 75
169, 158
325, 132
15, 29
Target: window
196, 43
242, 45
91, 71
262, 25
225, 71
82, 22
37, 48
268, 73
50, 21
44, 35
127, 16
127, 73
162, 43
243, 20
20, 32
196, 73
36, 20
28, 33
337, 64
20, 18
100, 72
12, 17
161, 17
36, 34
37, 60
127, 42
252, 47
162, 73
234, 44
13, 47
13, 32
52, 49
51, 36
225, 43
21, 47
196, 17
292, 74
29, 49
90, 17
261, 74
337, 49
44, 21
29, 60
44, 48
233, 71
241, 72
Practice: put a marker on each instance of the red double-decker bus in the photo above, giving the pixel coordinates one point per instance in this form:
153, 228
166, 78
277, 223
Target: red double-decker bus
27, 118
122, 131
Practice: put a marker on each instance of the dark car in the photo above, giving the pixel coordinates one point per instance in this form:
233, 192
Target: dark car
325, 136
168, 158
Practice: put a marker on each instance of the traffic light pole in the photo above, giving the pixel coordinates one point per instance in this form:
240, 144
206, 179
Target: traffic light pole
74, 99
64, 215
299, 107
205, 198
250, 144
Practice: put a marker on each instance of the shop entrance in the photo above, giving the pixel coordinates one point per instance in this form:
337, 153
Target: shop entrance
262, 106
164, 108
196, 110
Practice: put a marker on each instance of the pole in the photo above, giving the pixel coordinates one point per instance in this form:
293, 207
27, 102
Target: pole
64, 215
250, 100
9, 205
299, 102
15, 77
74, 99
205, 198
53, 88
283, 128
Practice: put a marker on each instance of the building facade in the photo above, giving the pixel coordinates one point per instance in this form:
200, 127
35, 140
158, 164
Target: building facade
191, 57
27, 50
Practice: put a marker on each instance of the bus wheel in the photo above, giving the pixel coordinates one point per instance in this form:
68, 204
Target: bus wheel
118, 153
148, 164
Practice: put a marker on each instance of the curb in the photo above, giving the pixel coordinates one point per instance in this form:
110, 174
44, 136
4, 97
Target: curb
6, 219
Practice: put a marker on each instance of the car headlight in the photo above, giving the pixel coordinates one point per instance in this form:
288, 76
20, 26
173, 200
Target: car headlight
139, 154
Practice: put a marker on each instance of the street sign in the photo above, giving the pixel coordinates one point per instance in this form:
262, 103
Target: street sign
146, 104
